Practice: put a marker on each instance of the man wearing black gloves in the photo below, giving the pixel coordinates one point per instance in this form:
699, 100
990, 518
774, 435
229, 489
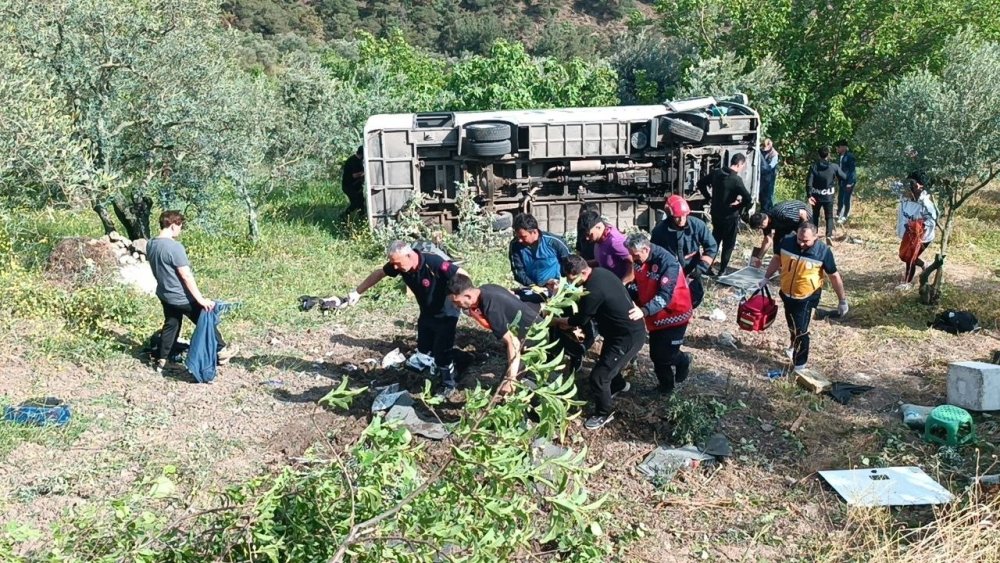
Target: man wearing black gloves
689, 240
820, 187
729, 199
619, 322
662, 294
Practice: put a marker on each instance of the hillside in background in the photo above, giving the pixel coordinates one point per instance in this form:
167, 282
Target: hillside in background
558, 28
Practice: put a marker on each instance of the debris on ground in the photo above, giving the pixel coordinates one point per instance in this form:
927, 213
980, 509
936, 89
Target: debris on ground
726, 339
717, 446
844, 392
915, 416
400, 408
887, 486
811, 380
717, 315
43, 411
663, 463
393, 359
774, 373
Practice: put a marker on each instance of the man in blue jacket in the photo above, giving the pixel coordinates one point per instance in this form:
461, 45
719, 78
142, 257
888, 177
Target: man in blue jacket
768, 174
534, 254
689, 240
849, 166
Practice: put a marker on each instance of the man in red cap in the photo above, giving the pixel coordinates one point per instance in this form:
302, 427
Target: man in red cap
689, 239
662, 294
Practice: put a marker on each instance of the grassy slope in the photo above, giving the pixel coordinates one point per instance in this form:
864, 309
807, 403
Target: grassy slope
306, 250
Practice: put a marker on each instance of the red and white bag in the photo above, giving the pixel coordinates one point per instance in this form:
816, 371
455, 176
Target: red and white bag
758, 311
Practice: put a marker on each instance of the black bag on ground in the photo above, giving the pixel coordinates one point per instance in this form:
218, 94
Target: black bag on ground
955, 322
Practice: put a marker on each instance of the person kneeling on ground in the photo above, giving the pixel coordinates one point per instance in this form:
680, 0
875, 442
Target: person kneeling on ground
661, 291
804, 263
498, 310
176, 289
688, 239
618, 320
427, 275
780, 221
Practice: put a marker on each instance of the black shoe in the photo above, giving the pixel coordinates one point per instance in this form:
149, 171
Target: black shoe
683, 368
307, 302
595, 422
665, 388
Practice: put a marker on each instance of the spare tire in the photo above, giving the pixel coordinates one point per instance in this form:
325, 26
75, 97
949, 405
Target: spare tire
490, 148
684, 130
503, 221
488, 131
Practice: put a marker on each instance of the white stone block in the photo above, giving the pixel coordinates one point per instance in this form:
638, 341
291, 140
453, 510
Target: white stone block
974, 386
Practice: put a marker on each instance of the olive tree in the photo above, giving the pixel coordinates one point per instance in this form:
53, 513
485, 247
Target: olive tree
132, 80
945, 123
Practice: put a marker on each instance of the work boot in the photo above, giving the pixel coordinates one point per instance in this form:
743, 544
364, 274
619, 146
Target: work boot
595, 422
666, 381
683, 368
448, 379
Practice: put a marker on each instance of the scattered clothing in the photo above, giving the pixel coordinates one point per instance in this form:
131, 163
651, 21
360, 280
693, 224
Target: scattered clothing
955, 322
203, 355
844, 392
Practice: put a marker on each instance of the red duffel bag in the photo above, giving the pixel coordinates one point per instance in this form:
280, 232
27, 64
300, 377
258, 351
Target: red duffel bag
758, 311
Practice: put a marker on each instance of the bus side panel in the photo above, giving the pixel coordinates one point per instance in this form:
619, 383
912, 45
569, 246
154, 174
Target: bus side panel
391, 173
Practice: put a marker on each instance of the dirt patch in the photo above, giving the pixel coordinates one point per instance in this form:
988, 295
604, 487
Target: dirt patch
77, 261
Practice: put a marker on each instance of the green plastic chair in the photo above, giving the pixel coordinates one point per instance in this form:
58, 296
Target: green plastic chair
949, 425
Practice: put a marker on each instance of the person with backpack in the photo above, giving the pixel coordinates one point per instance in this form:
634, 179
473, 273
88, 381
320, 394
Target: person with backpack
805, 263
916, 225
820, 188
661, 292
689, 240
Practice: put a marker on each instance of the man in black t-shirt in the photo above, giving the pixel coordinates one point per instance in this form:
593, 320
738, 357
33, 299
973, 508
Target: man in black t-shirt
352, 181
781, 220
498, 310
618, 320
427, 276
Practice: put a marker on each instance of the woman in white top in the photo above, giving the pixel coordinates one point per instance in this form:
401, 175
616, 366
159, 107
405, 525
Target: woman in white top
916, 225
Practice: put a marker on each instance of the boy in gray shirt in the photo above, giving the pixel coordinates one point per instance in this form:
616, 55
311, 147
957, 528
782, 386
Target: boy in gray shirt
175, 287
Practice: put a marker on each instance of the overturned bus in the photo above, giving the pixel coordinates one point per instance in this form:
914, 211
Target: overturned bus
550, 162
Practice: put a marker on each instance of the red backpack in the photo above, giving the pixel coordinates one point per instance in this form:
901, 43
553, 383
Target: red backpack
758, 311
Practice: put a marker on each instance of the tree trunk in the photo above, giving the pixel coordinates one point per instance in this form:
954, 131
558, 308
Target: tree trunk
253, 227
133, 215
106, 222
931, 294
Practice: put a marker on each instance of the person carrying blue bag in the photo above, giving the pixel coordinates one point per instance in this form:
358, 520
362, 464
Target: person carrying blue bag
179, 294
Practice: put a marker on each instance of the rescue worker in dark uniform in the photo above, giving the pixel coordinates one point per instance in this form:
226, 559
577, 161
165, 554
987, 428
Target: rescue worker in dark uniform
661, 291
689, 240
729, 197
427, 276
352, 182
